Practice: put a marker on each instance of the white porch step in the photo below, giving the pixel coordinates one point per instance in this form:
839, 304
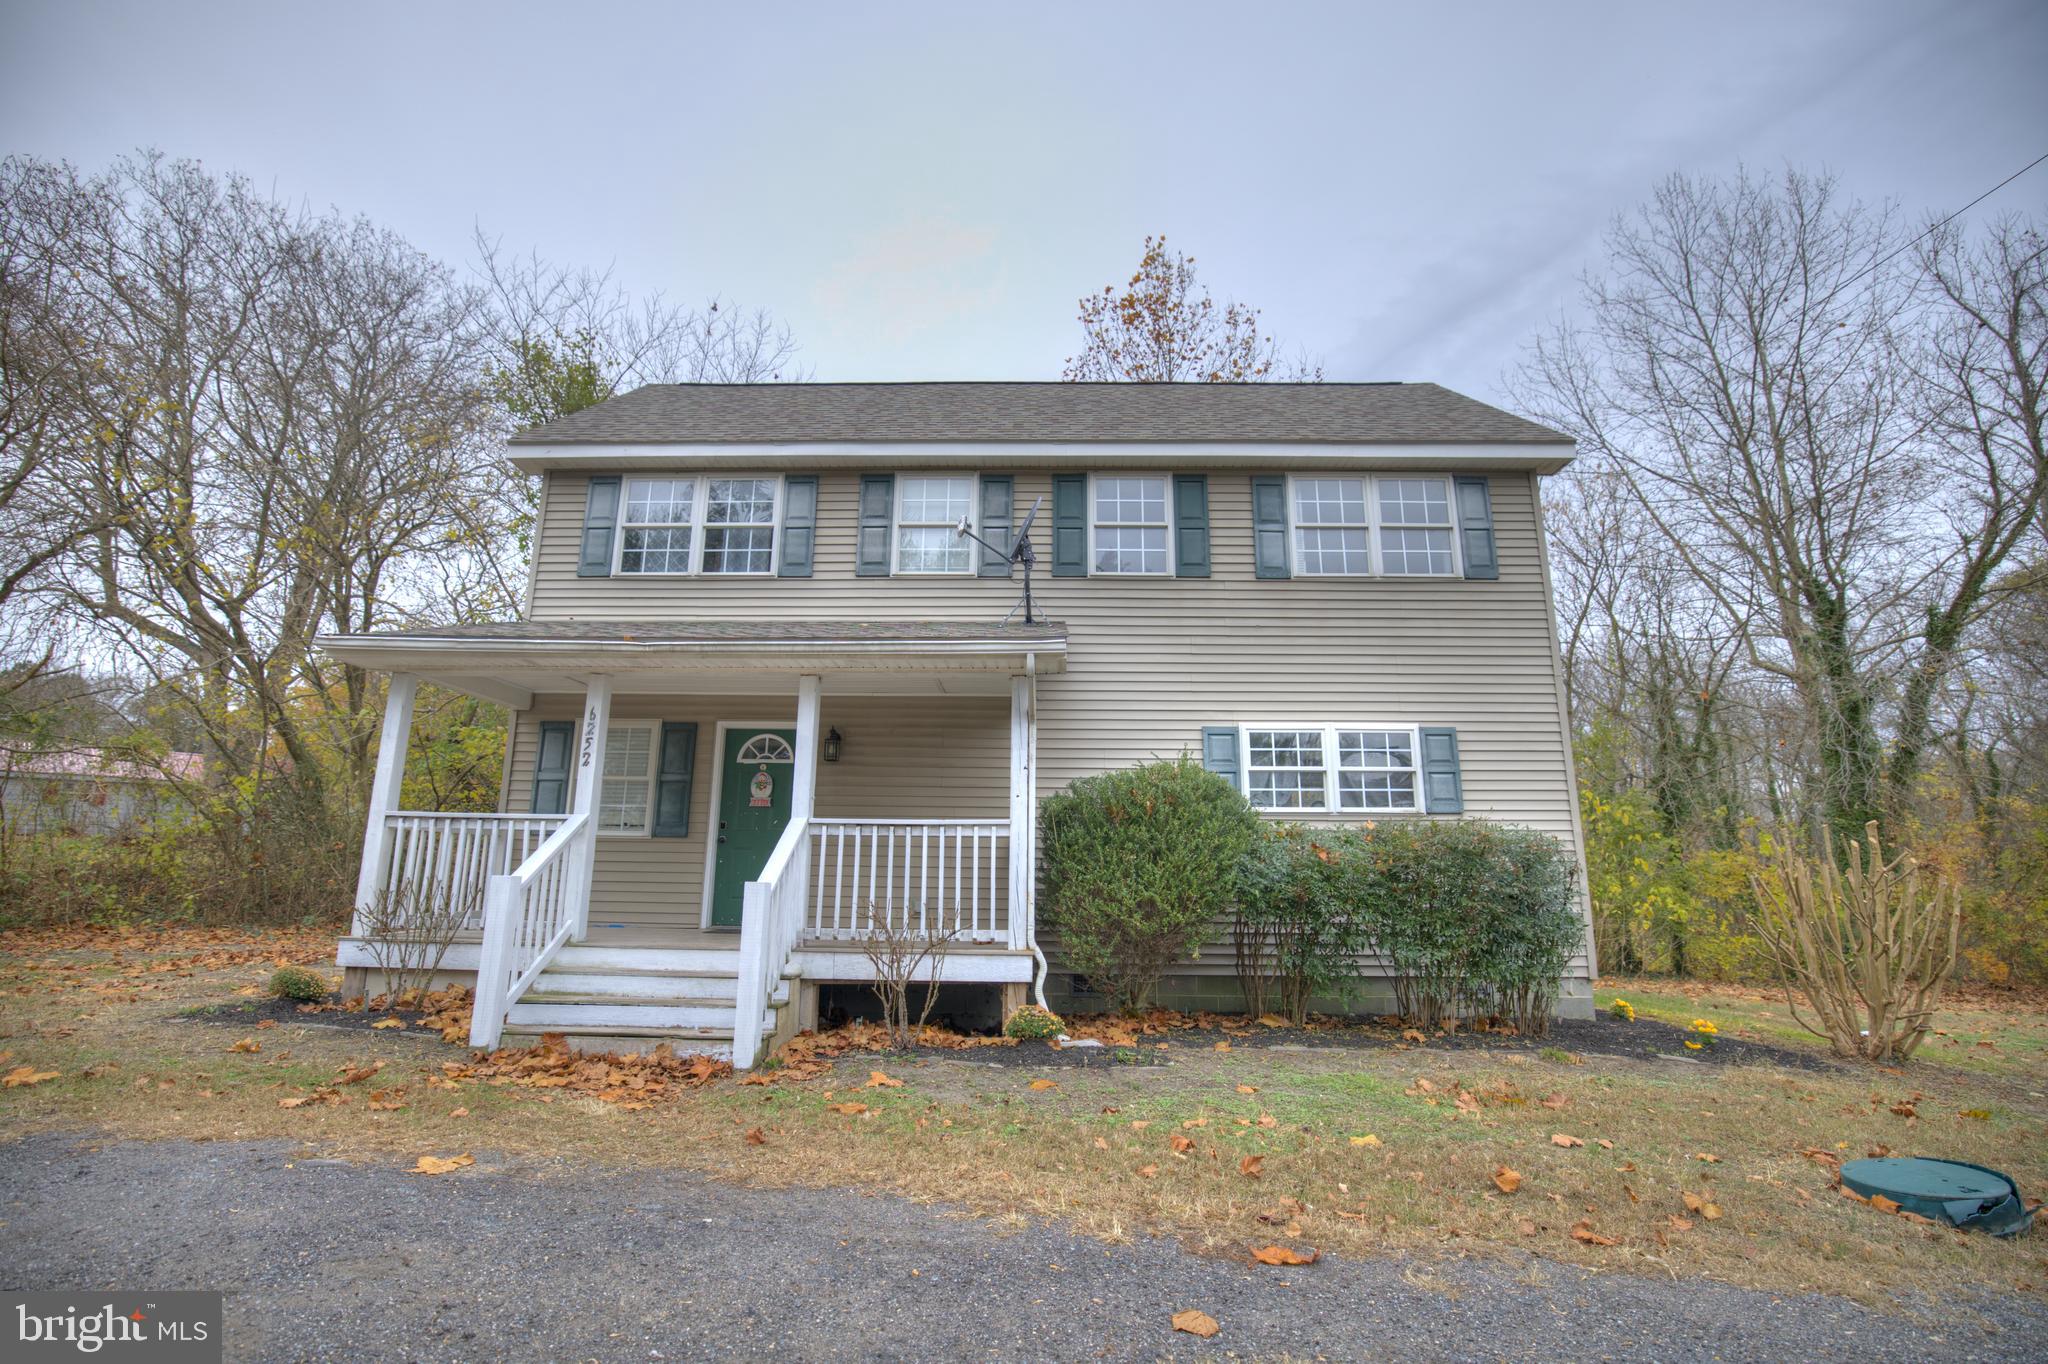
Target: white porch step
682, 1041
637, 985
620, 1017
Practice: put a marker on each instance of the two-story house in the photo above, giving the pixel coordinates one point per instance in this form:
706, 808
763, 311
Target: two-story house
766, 694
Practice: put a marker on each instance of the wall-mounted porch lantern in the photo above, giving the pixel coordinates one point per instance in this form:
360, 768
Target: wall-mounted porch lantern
831, 745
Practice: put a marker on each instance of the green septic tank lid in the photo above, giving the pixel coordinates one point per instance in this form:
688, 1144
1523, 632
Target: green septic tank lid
1950, 1191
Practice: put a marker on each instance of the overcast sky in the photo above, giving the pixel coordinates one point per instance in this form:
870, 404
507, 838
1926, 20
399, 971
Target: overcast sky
923, 191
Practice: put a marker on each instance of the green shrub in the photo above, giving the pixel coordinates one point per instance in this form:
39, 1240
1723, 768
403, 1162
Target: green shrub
1136, 864
1033, 1024
295, 982
1300, 924
1471, 917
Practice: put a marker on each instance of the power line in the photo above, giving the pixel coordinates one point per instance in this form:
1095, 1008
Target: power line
1944, 222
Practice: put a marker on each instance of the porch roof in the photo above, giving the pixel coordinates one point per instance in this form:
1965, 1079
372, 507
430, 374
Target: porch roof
510, 661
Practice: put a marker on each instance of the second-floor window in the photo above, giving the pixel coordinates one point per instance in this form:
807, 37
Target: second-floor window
1127, 520
708, 524
1393, 526
929, 510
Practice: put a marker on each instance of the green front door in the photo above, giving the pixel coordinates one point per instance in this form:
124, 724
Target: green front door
753, 807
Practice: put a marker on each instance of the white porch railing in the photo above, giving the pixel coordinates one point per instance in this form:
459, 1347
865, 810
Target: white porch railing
772, 913
528, 915
450, 858
921, 872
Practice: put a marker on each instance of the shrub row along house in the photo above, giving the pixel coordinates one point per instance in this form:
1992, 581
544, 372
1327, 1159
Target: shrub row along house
768, 695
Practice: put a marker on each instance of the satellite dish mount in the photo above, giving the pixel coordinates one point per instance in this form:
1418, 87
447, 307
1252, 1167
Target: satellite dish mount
1018, 552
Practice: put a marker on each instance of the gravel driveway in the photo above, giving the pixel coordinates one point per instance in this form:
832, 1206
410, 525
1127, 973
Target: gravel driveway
331, 1261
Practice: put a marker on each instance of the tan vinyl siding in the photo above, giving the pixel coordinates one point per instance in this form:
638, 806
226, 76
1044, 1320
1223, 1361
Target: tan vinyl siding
1152, 660
934, 758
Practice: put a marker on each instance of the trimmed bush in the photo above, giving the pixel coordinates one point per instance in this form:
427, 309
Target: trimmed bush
295, 982
1300, 924
1470, 917
1137, 864
1033, 1024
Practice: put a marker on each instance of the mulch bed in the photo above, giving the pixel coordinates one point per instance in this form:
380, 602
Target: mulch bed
249, 1013
1644, 1039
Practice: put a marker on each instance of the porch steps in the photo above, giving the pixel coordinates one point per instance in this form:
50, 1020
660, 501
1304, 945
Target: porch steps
611, 999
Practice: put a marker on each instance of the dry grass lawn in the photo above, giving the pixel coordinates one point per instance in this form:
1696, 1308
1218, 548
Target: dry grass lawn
1660, 1167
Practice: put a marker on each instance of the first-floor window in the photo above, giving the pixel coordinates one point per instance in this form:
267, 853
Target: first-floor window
1331, 767
627, 790
1129, 521
929, 511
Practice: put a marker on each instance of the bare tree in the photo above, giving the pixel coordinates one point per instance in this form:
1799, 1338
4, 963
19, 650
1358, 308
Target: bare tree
1164, 328
1751, 372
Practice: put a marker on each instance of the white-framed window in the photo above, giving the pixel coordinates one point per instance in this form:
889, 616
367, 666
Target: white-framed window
625, 795
1379, 524
698, 524
739, 525
1332, 529
1415, 526
929, 509
657, 528
1127, 526
1353, 768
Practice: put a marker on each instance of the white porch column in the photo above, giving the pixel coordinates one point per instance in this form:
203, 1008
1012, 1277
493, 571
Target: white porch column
597, 722
803, 790
1023, 809
392, 742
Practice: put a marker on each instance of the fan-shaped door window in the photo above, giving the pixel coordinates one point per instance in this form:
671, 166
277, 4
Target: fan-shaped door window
766, 748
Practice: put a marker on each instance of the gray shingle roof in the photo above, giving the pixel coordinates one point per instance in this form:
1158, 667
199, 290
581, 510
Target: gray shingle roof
1345, 414
728, 632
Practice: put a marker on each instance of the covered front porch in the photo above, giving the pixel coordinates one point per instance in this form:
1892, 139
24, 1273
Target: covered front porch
702, 822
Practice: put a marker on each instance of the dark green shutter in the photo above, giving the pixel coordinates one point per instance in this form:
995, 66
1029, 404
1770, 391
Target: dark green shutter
1475, 527
673, 779
600, 524
877, 512
1219, 753
1443, 787
551, 768
1070, 525
1190, 526
799, 525
1269, 526
996, 522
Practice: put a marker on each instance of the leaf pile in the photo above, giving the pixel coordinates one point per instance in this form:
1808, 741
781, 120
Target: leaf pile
632, 1081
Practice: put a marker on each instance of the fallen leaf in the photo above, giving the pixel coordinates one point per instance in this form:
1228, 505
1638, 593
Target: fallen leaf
1525, 1226
1272, 1021
1180, 1143
756, 1137
1883, 1204
293, 1103
247, 1044
1583, 1232
1147, 1171
849, 1109
1224, 1045
1281, 1255
27, 1075
1506, 1180
1560, 1139
1193, 1322
1554, 1101
1411, 1035
441, 1165
1268, 1120
1711, 1160
877, 1080
388, 1023
1247, 1089
1367, 1140
1101, 1144
1045, 1084
1708, 1210
1250, 1165
459, 1113
1677, 1223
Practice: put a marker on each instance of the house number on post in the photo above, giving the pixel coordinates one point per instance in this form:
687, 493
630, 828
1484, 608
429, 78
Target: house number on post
589, 725
761, 790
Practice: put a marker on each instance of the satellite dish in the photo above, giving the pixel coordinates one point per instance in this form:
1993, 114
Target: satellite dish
1019, 552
